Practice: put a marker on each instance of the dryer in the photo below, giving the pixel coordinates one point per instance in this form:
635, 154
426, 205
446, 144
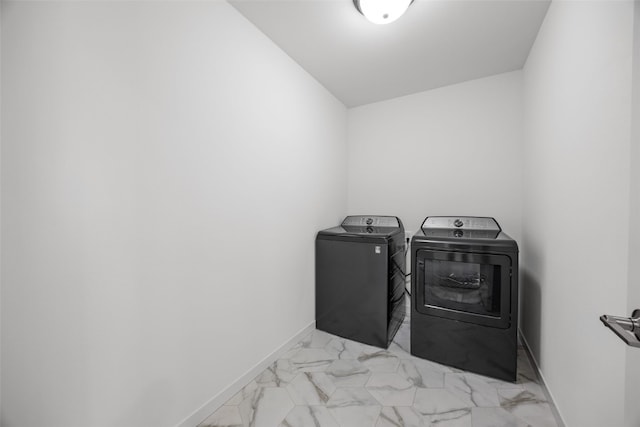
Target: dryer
464, 299
360, 279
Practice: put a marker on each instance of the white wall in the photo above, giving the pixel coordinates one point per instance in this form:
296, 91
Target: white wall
449, 151
633, 298
577, 85
164, 170
0, 208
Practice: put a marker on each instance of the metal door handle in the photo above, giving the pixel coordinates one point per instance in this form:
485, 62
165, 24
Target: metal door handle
627, 328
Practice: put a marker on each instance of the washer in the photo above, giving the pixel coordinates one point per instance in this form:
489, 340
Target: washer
360, 269
464, 299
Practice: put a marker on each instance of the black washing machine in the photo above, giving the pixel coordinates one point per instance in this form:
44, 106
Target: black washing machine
360, 269
464, 307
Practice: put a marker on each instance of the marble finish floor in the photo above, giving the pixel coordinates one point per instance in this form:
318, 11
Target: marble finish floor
328, 381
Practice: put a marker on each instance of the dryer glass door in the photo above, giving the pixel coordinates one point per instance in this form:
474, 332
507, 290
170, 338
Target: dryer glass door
464, 286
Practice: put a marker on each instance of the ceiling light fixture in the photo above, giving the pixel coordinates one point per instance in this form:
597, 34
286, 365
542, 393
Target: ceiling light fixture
382, 11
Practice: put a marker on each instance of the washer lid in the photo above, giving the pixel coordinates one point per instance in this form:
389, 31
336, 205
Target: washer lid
366, 226
371, 225
461, 227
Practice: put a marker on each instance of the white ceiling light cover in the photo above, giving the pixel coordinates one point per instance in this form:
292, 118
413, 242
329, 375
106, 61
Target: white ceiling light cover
382, 11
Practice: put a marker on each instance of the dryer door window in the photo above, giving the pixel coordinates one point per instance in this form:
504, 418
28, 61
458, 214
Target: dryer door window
464, 286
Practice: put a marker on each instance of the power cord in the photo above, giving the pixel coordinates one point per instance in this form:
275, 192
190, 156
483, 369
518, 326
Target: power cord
406, 249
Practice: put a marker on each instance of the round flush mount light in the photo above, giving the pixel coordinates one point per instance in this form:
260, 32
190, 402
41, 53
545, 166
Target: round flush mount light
382, 11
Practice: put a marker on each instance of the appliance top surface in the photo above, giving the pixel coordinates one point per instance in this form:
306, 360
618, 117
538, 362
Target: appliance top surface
463, 231
366, 226
460, 227
371, 221
461, 223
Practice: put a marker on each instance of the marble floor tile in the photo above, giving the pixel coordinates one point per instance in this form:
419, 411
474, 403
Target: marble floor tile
399, 351
524, 377
402, 416
311, 388
391, 389
512, 398
352, 396
536, 390
226, 416
312, 416
525, 374
443, 407
495, 417
358, 348
379, 360
339, 349
267, 407
352, 416
401, 344
527, 406
472, 390
348, 373
422, 373
329, 381
246, 392
279, 374
311, 359
458, 418
354, 407
434, 401
316, 339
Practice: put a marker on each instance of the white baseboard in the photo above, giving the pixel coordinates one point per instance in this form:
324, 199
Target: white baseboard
218, 400
543, 383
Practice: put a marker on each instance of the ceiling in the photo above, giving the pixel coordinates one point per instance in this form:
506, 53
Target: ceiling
436, 43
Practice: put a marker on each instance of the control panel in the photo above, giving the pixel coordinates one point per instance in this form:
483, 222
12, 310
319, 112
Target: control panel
371, 221
461, 223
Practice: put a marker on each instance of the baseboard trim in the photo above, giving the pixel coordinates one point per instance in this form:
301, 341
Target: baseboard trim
543, 383
218, 400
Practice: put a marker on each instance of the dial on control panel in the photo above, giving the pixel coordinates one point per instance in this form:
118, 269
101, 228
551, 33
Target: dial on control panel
458, 223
